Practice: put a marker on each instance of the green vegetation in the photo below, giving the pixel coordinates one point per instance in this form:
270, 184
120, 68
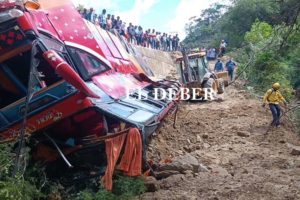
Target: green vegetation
33, 184
263, 37
124, 188
20, 187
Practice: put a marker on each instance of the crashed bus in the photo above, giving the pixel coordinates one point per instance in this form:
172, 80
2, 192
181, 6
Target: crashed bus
64, 83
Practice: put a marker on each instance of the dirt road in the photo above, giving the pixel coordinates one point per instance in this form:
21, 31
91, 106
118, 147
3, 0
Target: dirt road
230, 139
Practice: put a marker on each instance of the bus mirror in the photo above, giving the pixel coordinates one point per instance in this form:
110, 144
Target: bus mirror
67, 73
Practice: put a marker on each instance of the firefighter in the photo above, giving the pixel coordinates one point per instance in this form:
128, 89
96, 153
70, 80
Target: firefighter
273, 97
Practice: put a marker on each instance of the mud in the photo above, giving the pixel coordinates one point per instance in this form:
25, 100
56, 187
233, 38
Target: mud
246, 159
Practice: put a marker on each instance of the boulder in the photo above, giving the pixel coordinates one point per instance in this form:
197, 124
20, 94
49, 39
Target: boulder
151, 184
243, 133
165, 174
205, 136
172, 181
184, 163
295, 149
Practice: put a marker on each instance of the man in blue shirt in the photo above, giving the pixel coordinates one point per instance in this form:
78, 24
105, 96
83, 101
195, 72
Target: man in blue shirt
219, 66
102, 19
230, 65
89, 15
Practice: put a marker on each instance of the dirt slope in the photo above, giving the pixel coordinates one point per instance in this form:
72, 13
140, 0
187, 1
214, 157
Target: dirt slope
229, 138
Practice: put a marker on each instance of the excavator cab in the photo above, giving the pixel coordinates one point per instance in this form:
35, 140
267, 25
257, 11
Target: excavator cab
194, 73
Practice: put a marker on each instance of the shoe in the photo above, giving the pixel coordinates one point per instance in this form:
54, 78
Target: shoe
278, 126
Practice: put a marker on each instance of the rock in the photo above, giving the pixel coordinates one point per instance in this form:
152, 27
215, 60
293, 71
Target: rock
183, 163
151, 184
295, 150
199, 138
150, 149
179, 152
220, 171
206, 145
187, 149
189, 174
172, 181
188, 162
243, 133
166, 173
204, 136
202, 168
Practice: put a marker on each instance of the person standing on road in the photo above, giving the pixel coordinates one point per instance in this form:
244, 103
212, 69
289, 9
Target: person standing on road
273, 97
219, 66
230, 65
223, 46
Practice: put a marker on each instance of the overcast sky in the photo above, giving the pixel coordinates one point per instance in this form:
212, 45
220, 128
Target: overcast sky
168, 16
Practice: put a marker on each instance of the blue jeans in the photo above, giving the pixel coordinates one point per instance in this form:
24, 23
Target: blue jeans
275, 109
230, 73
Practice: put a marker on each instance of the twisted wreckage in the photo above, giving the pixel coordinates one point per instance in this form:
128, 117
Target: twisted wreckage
63, 91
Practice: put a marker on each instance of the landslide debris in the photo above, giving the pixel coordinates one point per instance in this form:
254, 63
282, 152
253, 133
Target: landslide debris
243, 157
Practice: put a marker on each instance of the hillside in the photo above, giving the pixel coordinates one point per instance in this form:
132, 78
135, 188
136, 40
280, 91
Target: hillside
244, 157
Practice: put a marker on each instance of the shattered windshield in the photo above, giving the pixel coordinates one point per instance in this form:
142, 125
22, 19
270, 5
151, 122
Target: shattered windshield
87, 64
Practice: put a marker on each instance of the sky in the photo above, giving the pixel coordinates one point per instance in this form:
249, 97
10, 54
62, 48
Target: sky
169, 16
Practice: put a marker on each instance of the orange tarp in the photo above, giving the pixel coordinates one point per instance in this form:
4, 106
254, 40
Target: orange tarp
113, 149
131, 162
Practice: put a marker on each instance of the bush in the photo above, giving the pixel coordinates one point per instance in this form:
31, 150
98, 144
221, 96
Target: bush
129, 186
6, 161
272, 62
124, 188
14, 188
17, 188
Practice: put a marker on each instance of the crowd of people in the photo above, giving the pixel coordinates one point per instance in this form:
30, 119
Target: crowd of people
213, 54
135, 34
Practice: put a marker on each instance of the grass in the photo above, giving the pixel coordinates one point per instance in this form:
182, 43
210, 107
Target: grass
124, 188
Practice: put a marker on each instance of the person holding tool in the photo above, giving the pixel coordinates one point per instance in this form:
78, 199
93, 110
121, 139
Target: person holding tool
273, 97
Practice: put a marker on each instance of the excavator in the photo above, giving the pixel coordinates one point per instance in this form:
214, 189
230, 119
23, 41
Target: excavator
195, 75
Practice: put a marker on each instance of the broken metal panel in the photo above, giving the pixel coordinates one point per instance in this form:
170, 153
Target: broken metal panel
62, 106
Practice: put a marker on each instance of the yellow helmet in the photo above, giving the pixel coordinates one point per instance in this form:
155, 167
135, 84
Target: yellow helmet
276, 86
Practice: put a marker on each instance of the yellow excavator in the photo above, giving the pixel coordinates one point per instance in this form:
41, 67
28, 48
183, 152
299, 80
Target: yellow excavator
194, 73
